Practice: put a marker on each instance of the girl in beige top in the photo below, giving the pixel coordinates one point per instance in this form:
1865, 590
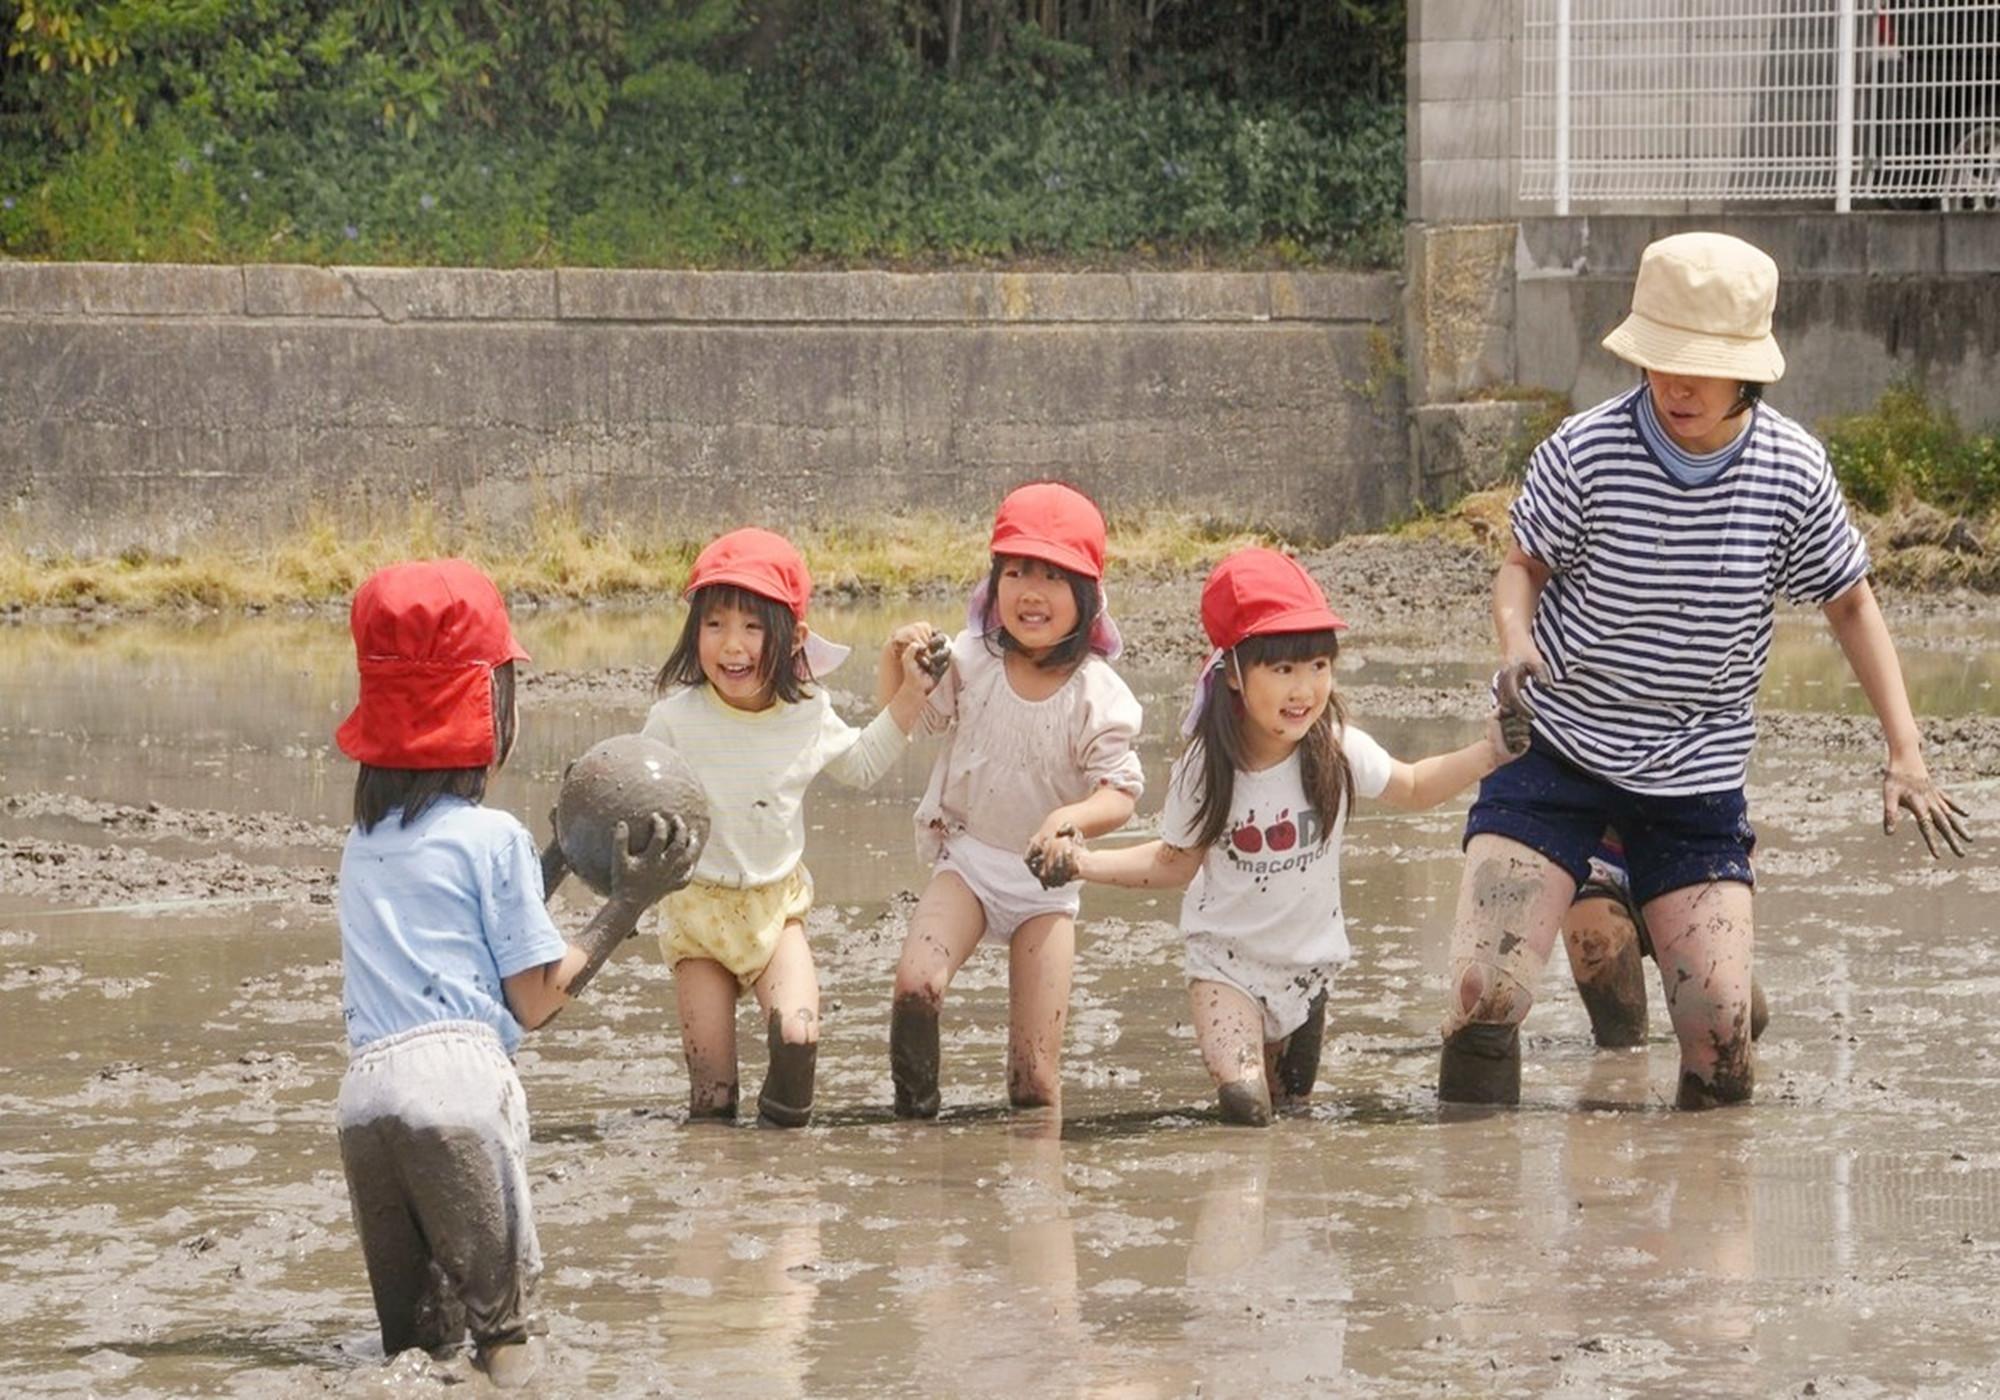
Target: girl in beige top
1039, 746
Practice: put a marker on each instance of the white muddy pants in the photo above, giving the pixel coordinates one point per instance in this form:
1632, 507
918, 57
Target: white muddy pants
434, 1138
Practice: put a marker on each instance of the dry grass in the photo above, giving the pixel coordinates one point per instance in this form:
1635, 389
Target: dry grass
1924, 549
1477, 521
561, 558
1917, 547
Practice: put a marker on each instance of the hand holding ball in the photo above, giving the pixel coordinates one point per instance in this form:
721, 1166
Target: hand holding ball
626, 781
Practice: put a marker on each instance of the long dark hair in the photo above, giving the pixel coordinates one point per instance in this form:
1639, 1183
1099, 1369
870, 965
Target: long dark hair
776, 670
1219, 736
1070, 651
380, 791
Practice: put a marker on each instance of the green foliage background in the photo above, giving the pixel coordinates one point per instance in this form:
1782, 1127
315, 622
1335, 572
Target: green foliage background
1907, 450
698, 133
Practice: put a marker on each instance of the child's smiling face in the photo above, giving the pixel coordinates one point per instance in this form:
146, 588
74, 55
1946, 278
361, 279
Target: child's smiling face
731, 651
1698, 411
1282, 701
1034, 603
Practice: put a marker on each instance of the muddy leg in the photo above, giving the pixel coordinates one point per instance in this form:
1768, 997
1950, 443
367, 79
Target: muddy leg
1298, 1063
944, 930
913, 1056
1040, 958
1601, 933
401, 1273
788, 990
1511, 903
1760, 1009
1229, 1028
786, 1100
1702, 938
1481, 1063
706, 992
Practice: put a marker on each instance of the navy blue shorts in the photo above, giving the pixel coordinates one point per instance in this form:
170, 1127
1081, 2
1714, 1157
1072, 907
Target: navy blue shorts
1550, 805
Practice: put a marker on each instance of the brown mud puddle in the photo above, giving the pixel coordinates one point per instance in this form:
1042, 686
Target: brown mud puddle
170, 815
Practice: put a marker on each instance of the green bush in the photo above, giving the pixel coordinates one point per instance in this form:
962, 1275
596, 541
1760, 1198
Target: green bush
1909, 450
590, 132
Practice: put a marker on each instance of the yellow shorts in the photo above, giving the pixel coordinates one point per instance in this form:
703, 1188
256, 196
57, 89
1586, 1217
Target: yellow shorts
738, 928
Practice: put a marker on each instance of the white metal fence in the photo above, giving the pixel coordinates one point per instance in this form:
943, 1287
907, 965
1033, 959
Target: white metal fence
1728, 101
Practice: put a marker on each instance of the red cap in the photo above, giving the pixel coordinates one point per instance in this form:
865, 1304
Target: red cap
1054, 523
427, 636
763, 562
1256, 592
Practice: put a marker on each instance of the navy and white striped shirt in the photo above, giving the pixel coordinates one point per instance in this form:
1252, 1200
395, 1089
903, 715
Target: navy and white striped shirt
1656, 624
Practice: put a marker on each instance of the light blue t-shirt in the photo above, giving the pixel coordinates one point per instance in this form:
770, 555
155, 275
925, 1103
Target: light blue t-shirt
434, 915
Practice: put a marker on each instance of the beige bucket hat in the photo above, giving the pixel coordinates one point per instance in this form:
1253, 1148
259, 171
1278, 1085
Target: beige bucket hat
1702, 305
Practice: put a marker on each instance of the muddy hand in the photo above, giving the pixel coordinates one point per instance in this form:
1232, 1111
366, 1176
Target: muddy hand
935, 655
555, 865
659, 868
1053, 861
1937, 815
1517, 711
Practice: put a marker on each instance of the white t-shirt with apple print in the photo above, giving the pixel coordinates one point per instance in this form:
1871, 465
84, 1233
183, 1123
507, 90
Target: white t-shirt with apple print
1270, 883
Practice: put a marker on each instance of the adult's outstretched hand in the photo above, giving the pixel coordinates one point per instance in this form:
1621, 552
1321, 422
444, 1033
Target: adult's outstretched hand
1937, 815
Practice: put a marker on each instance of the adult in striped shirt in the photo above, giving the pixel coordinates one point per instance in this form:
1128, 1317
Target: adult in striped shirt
1652, 537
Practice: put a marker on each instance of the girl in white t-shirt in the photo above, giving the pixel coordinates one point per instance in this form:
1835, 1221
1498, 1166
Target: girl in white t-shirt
1039, 733
1253, 818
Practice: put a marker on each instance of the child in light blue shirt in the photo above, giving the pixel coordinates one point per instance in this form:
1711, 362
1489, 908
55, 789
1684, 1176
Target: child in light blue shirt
448, 955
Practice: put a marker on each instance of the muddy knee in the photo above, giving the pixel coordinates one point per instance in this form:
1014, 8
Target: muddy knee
1481, 1063
1246, 1102
1613, 991
787, 1097
1485, 994
928, 987
913, 1055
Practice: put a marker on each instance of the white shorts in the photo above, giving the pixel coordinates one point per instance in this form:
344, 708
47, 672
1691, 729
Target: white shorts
434, 1140
1284, 992
1004, 886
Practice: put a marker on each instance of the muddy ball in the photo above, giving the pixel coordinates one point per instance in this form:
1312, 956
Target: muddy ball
625, 778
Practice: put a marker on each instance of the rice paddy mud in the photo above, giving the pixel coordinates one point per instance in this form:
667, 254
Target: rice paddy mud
175, 1221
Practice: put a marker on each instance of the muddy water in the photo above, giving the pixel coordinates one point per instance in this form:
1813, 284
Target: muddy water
175, 1222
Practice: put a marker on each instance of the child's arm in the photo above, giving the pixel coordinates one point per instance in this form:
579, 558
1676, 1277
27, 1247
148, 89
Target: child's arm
1429, 781
1858, 625
860, 761
637, 883
1053, 847
918, 641
909, 670
1150, 865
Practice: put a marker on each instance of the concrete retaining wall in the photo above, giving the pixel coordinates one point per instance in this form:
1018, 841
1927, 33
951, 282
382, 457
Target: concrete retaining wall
160, 404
